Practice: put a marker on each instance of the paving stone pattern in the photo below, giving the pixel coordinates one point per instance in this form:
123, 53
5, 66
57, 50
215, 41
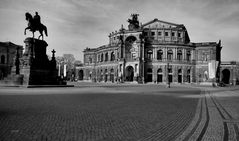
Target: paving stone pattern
54, 115
216, 117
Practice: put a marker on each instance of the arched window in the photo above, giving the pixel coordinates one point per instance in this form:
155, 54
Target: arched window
170, 55
149, 70
188, 72
160, 70
2, 59
179, 75
170, 70
159, 55
188, 76
160, 75
112, 75
150, 54
149, 75
170, 74
106, 56
106, 75
188, 55
90, 60
112, 56
102, 57
179, 71
179, 55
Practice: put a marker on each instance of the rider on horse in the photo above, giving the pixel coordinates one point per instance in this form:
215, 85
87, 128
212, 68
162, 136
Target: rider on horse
34, 24
37, 19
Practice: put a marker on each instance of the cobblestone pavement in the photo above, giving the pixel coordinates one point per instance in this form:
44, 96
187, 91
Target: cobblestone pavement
115, 113
217, 116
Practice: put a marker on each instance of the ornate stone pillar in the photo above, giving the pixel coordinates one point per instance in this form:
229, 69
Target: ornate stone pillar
154, 74
175, 54
184, 54
164, 54
154, 53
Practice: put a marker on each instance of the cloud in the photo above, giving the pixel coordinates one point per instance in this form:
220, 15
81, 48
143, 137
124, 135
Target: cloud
75, 24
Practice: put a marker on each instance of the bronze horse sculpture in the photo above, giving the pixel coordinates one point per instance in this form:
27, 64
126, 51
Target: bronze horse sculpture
35, 25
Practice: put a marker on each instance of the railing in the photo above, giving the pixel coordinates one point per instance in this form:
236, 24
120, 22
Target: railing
173, 61
147, 60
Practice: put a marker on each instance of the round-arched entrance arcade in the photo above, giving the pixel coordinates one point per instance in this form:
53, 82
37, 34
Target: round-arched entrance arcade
149, 75
179, 75
81, 75
112, 75
129, 73
226, 76
160, 75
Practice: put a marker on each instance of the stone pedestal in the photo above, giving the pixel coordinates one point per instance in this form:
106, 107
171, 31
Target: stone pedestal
35, 66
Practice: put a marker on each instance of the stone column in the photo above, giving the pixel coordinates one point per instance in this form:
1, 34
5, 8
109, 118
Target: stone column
165, 73
182, 74
109, 56
154, 74
175, 54
59, 69
164, 54
154, 51
184, 54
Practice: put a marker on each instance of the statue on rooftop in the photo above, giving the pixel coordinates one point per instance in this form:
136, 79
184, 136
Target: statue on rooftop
34, 24
133, 23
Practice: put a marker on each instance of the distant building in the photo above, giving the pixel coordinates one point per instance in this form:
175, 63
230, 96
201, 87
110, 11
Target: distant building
158, 52
229, 72
8, 53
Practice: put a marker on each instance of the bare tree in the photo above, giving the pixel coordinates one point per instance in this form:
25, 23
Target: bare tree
69, 60
78, 63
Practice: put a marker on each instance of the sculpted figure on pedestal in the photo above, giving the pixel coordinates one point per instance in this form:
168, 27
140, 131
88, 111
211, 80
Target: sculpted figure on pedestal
34, 24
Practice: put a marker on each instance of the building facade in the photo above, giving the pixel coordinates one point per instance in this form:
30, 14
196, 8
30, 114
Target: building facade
229, 72
154, 52
8, 52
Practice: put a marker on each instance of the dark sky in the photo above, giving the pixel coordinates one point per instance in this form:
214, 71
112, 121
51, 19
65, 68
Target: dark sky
76, 24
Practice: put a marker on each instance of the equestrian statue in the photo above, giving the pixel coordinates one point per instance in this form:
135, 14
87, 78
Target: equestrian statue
34, 24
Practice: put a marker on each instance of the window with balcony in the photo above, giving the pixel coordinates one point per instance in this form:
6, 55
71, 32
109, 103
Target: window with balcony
150, 54
152, 33
112, 56
170, 55
159, 33
102, 58
173, 34
179, 34
90, 60
179, 55
106, 56
159, 55
188, 55
166, 33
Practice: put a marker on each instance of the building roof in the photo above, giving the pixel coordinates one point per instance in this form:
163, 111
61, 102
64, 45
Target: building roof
157, 20
10, 44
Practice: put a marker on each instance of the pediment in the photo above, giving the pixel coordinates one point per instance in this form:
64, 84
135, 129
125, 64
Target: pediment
160, 24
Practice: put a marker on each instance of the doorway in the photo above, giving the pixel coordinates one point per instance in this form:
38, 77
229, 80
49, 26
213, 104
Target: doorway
129, 74
226, 76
